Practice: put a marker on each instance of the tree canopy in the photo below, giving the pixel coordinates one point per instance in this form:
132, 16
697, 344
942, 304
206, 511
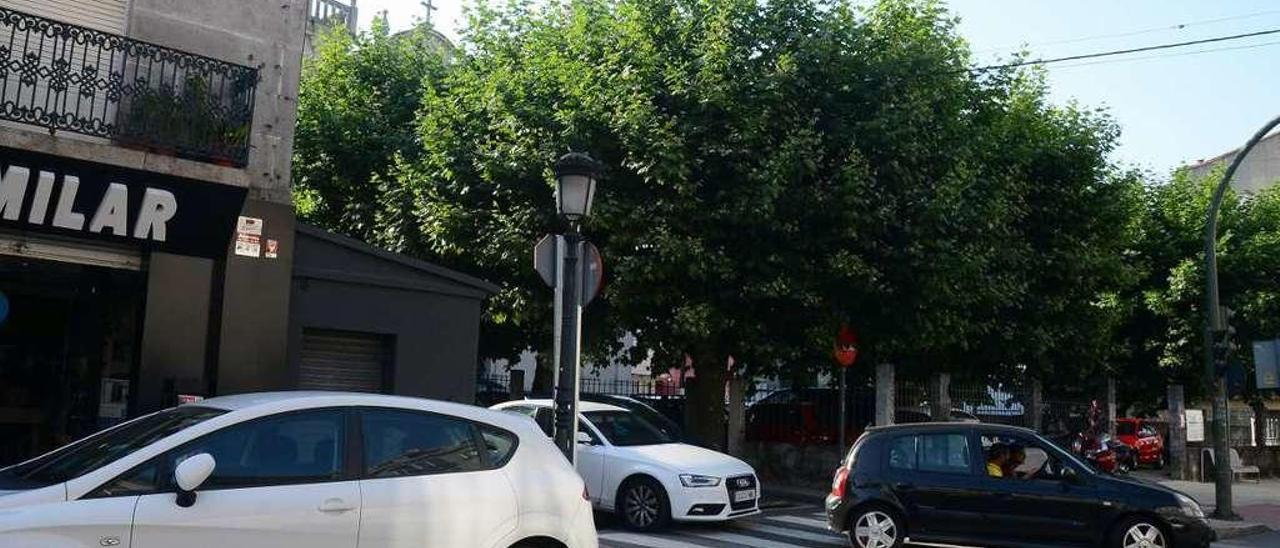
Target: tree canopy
773, 169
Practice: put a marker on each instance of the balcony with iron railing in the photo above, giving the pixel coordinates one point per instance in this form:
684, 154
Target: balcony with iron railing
66, 78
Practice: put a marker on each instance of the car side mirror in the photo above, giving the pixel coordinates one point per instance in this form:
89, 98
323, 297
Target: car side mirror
585, 438
190, 474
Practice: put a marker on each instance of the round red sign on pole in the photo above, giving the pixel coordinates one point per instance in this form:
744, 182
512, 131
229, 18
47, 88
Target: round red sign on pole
846, 350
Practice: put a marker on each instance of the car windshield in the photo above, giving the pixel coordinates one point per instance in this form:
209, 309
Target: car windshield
1125, 428
624, 428
103, 448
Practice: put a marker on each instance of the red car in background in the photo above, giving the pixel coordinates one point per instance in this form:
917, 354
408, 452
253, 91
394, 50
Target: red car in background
1144, 438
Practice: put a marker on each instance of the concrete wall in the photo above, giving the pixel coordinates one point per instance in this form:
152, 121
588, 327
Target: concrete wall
175, 329
252, 354
1261, 169
263, 33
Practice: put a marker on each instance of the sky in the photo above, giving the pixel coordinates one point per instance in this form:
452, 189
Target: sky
1174, 106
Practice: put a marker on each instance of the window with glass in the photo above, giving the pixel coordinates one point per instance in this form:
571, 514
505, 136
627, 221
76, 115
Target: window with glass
302, 447
104, 448
499, 445
624, 428
902, 453
409, 443
938, 453
1022, 458
946, 453
291, 448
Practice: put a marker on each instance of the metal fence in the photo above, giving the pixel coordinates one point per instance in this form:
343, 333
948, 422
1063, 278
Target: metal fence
64, 77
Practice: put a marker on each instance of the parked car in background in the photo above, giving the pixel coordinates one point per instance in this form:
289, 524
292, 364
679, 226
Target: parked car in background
937, 484
648, 478
301, 469
807, 416
1145, 438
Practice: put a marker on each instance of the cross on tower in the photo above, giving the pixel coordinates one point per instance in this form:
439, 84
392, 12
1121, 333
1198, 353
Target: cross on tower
430, 6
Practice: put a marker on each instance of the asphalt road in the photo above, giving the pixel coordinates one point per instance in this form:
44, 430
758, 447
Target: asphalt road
783, 528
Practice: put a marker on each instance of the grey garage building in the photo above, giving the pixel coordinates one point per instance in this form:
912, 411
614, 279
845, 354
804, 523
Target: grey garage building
365, 319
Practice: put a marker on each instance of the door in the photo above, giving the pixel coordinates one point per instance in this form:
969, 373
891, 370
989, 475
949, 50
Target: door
591, 462
426, 483
277, 482
344, 360
933, 476
1038, 498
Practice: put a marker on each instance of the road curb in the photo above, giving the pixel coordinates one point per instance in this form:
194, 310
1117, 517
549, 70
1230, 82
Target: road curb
1227, 530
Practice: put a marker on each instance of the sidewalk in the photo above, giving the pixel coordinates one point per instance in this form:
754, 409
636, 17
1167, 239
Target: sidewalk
1258, 504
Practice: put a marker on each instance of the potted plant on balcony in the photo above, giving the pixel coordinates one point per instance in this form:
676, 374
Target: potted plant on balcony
185, 122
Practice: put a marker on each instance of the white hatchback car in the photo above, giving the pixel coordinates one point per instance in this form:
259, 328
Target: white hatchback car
302, 469
635, 469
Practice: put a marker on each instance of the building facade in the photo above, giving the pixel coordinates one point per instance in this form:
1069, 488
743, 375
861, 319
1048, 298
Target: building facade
147, 234
1260, 169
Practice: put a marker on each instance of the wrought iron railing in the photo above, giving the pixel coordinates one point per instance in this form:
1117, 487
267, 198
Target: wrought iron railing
333, 12
64, 77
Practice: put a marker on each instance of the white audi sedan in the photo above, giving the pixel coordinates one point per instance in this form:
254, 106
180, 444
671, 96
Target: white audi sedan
302, 469
633, 468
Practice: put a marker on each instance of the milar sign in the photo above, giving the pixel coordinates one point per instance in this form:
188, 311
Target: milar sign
53, 195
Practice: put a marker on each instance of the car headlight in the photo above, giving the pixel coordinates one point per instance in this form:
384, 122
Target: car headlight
1189, 506
695, 480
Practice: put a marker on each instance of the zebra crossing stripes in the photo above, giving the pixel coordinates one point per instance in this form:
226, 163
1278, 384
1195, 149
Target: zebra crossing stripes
779, 531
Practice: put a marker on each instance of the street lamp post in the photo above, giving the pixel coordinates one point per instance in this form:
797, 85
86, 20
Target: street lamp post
576, 176
1221, 433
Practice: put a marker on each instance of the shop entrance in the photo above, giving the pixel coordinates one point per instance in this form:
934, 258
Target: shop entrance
69, 340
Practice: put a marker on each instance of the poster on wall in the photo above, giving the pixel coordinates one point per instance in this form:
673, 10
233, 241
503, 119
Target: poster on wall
249, 237
1195, 425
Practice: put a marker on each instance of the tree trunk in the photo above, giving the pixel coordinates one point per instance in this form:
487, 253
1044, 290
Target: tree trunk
705, 400
544, 374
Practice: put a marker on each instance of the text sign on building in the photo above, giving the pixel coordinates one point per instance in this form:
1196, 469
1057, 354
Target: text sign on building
67, 197
1266, 363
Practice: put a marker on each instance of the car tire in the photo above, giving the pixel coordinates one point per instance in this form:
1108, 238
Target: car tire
1160, 462
1139, 532
875, 526
643, 505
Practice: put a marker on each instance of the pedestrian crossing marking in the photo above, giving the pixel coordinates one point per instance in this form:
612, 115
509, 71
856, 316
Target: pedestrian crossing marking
773, 531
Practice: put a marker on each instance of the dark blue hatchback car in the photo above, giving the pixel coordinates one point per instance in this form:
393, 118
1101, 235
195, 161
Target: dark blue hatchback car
991, 485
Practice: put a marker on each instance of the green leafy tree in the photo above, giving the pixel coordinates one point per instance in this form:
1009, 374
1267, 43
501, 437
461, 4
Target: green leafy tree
773, 169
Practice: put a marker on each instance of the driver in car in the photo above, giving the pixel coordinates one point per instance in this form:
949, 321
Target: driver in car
1017, 456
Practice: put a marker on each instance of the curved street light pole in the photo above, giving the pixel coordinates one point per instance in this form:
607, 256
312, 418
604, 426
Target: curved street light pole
1221, 441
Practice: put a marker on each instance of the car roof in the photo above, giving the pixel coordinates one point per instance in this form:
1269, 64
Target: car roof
583, 406
954, 425
321, 398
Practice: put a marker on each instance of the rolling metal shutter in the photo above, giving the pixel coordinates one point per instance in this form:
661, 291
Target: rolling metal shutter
104, 15
344, 360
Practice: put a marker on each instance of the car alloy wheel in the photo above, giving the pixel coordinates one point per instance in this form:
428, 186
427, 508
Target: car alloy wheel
874, 529
1143, 535
644, 505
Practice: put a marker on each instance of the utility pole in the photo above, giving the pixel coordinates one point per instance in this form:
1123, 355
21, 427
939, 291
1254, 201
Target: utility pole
1217, 333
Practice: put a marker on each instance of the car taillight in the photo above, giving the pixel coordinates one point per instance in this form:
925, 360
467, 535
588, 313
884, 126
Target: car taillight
838, 482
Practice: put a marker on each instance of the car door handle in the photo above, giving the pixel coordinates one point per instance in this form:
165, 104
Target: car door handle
335, 506
904, 486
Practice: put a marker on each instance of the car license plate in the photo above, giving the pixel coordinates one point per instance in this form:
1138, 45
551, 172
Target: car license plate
744, 496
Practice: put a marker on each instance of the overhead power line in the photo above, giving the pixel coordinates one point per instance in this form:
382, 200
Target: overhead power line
1165, 28
1170, 55
1128, 51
